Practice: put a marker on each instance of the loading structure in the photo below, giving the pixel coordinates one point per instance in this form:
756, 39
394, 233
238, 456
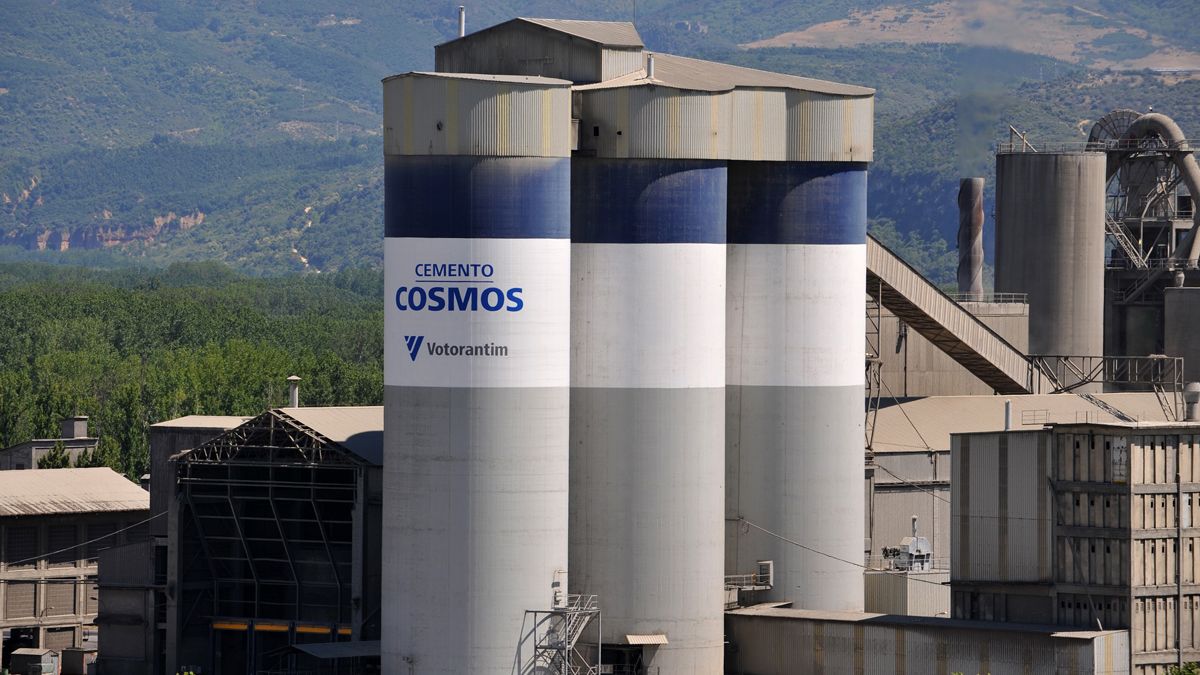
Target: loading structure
271, 543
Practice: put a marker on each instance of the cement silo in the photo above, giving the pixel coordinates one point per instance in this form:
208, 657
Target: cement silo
1050, 244
477, 260
795, 349
647, 376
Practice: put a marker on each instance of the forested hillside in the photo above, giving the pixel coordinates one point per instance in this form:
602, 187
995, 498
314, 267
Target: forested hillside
249, 131
134, 347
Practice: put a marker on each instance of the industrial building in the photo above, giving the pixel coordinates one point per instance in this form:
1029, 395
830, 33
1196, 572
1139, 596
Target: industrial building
132, 579
769, 640
53, 524
272, 556
73, 439
1087, 525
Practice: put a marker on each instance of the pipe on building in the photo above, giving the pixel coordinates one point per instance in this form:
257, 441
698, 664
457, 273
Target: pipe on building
462, 20
1165, 128
970, 238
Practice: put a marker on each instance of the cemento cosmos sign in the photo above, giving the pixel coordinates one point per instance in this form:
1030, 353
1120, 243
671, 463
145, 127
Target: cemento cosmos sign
477, 312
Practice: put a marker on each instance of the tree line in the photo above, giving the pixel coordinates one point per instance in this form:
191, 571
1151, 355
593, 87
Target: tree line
130, 348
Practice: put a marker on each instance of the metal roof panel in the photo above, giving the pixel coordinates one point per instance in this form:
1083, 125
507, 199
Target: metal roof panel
57, 491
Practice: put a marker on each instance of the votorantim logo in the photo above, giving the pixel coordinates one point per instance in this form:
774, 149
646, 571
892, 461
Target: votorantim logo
413, 343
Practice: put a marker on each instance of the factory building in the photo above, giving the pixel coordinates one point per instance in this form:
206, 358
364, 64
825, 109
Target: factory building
73, 439
772, 640
132, 577
1082, 524
53, 524
272, 557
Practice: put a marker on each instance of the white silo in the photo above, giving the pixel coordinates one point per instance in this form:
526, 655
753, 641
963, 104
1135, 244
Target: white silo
794, 330
647, 372
477, 260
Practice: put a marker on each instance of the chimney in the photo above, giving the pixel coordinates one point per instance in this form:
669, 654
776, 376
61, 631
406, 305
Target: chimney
293, 392
74, 427
1191, 402
649, 66
970, 238
462, 20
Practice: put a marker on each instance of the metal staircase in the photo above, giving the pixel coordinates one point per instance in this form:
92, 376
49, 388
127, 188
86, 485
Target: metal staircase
902, 290
556, 633
1121, 235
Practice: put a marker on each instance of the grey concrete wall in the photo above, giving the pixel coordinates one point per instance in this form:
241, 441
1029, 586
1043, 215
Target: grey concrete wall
1182, 328
915, 366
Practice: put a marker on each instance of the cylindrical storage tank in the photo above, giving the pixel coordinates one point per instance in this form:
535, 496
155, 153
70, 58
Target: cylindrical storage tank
647, 405
1050, 245
970, 238
476, 396
795, 331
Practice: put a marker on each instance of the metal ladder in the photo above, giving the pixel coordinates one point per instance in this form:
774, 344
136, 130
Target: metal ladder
1120, 234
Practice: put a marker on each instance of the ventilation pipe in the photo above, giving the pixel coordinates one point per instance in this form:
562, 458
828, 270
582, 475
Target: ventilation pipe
462, 20
970, 238
1007, 415
914, 526
293, 392
649, 66
1158, 125
1191, 401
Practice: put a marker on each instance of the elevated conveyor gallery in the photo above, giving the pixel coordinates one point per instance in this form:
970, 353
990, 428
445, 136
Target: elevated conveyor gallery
902, 290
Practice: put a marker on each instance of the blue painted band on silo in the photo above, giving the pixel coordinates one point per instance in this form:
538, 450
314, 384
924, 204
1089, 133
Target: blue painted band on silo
797, 203
467, 197
648, 201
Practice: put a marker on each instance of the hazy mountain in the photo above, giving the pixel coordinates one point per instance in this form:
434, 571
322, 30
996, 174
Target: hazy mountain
249, 131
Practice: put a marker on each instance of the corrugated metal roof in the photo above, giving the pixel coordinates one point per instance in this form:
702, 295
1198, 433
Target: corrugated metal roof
682, 72
201, 422
486, 77
902, 620
359, 429
606, 33
936, 417
55, 491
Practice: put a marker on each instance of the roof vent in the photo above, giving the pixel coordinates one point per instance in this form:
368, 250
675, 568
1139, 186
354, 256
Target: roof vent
649, 66
462, 20
293, 392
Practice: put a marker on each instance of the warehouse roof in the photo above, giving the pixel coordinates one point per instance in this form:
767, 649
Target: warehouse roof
201, 422
607, 33
617, 34
921, 424
682, 72
359, 429
61, 491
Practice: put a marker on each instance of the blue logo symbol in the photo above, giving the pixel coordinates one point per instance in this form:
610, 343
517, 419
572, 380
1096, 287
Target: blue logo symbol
413, 342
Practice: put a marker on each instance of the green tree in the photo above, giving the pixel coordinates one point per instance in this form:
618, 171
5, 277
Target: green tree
56, 458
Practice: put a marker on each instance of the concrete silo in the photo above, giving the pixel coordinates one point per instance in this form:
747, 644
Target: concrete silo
477, 260
647, 372
795, 345
1050, 244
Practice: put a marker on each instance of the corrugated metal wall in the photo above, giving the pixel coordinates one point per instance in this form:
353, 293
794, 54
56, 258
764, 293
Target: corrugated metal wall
824, 128
521, 49
912, 594
741, 124
431, 115
1001, 511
